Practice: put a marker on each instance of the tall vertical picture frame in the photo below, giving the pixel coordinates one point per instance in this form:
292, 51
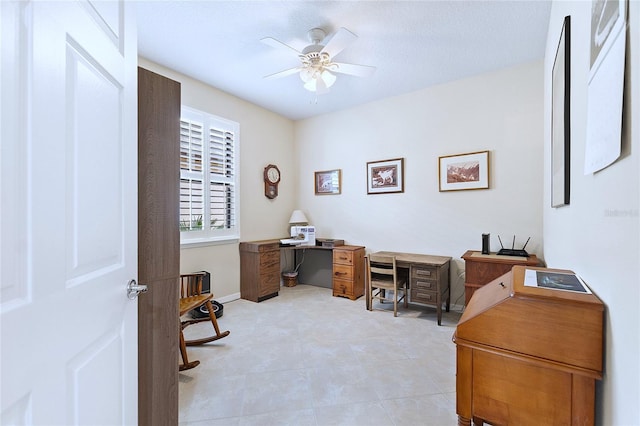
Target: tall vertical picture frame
561, 119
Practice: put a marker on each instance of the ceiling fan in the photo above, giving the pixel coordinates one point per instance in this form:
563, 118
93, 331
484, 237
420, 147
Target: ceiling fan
317, 60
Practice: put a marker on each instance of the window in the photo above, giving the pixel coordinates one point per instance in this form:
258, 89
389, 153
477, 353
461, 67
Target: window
208, 179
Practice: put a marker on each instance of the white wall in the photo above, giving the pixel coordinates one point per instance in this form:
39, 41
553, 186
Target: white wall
265, 137
500, 112
598, 235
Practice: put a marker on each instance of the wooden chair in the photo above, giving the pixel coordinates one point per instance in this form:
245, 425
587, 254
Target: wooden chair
191, 297
383, 277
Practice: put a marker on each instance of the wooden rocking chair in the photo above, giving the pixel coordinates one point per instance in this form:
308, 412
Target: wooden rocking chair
191, 297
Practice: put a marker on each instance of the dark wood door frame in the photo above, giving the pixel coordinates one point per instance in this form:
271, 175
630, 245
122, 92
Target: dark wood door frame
158, 247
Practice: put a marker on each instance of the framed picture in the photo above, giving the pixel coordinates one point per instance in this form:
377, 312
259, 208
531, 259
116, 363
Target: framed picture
385, 176
328, 182
560, 125
464, 171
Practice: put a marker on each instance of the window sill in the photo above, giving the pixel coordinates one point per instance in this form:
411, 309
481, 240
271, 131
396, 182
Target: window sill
204, 242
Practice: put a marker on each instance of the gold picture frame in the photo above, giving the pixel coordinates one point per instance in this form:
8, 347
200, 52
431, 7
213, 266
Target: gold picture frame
328, 182
464, 171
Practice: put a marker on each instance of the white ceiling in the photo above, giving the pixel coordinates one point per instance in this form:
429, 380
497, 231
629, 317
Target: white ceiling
413, 44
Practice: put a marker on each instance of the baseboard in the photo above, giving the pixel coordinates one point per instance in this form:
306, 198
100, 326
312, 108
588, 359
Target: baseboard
457, 308
229, 298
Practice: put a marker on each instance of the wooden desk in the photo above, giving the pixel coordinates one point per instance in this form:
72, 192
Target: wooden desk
479, 269
428, 279
528, 355
260, 269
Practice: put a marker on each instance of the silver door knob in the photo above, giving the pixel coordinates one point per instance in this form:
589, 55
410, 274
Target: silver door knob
134, 289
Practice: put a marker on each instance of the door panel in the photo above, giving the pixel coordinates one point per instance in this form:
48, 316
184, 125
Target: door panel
69, 212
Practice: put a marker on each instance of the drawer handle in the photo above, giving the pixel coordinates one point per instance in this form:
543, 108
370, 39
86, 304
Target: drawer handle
343, 258
425, 284
337, 273
423, 296
423, 272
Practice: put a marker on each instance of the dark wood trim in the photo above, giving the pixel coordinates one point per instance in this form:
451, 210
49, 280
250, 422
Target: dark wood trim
158, 248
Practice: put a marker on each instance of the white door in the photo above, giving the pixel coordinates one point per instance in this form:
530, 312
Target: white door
68, 213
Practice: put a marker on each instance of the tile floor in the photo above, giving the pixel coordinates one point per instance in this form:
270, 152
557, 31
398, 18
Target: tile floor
307, 358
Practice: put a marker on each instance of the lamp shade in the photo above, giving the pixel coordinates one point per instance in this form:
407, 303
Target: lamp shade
298, 217
312, 81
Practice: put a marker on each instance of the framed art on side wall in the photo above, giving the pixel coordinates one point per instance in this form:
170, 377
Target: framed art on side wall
560, 116
464, 171
328, 182
385, 176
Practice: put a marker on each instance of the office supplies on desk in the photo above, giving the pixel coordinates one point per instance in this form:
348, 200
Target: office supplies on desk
327, 242
291, 241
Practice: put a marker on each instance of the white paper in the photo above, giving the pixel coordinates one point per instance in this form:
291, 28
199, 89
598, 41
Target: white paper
562, 281
530, 278
606, 85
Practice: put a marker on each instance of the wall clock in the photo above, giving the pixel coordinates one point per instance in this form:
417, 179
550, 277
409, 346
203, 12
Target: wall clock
271, 181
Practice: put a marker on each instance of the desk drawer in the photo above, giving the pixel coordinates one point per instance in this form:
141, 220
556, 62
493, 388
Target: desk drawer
423, 296
424, 272
342, 287
270, 260
269, 283
343, 272
424, 285
343, 257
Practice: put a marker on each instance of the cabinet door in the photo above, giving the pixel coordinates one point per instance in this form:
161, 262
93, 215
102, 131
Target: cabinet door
269, 273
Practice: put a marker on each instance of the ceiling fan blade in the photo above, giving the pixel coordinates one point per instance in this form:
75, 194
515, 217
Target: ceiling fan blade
353, 69
279, 45
283, 73
339, 41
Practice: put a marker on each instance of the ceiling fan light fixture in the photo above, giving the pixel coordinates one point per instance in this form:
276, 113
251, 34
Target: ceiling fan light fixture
328, 78
306, 75
312, 84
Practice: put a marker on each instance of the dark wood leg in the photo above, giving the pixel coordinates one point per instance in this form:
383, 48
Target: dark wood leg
463, 421
477, 422
448, 289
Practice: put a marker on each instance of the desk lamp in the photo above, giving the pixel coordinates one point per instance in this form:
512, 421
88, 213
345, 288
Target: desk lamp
297, 219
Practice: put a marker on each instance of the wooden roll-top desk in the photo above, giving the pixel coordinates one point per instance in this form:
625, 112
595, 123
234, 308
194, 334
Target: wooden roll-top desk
528, 355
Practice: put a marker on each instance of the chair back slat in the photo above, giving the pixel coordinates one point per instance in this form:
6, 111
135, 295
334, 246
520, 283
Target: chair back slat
382, 268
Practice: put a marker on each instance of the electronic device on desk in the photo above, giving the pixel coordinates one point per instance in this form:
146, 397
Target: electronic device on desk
329, 242
513, 251
301, 235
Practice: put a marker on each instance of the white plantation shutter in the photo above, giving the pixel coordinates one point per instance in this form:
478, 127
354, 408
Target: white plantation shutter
208, 181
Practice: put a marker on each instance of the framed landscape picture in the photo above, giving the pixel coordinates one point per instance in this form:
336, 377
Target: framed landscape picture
464, 171
328, 182
385, 176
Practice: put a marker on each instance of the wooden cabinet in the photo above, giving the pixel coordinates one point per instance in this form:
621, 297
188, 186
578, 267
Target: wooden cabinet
479, 269
259, 270
528, 355
348, 271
